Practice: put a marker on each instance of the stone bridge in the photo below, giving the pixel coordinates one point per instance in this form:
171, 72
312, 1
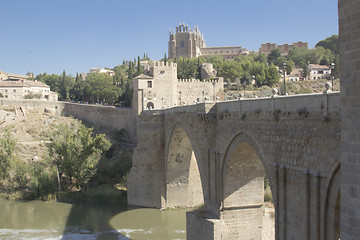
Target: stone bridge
216, 155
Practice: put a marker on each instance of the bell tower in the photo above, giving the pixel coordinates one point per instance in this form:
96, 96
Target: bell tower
185, 42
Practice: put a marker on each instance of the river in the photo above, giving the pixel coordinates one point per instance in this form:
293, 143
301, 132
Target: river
52, 220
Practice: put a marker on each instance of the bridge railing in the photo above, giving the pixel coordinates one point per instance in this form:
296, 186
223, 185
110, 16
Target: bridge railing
310, 102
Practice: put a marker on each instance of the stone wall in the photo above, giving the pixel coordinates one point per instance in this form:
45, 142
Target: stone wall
146, 181
349, 22
295, 138
191, 91
100, 116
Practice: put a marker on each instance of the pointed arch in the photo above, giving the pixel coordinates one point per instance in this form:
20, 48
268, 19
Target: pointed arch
183, 181
332, 207
242, 187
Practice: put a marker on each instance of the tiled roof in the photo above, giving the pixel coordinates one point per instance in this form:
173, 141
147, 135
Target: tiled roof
317, 66
143, 76
26, 83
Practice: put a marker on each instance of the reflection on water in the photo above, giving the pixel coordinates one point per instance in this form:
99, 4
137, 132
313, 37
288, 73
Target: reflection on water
48, 220
151, 224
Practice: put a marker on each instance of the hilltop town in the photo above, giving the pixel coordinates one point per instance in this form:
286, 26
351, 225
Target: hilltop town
211, 128
202, 74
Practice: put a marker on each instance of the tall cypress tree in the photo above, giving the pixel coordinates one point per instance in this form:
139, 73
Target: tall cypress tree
130, 71
138, 66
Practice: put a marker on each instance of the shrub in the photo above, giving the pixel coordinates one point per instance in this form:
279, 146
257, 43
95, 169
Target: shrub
303, 90
268, 195
32, 95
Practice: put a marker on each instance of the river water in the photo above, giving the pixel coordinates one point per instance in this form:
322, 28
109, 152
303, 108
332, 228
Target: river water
51, 220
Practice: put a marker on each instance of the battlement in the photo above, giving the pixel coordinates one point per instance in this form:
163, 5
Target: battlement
162, 64
217, 80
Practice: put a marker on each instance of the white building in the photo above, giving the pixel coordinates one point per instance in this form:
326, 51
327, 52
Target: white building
14, 86
295, 75
317, 71
102, 70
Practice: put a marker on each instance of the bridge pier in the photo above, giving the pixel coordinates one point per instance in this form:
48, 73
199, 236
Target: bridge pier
293, 141
240, 223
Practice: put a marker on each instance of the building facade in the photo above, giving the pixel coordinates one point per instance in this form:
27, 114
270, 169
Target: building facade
15, 86
159, 88
190, 43
284, 49
102, 70
317, 71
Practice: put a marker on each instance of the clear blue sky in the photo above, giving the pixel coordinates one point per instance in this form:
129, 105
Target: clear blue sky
75, 35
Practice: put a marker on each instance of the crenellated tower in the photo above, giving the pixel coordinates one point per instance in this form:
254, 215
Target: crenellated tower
185, 42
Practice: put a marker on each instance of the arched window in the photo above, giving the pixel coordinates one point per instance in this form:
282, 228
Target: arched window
150, 106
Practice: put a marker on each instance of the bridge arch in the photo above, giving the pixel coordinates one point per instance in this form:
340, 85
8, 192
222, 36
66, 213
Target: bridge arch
242, 190
183, 181
332, 207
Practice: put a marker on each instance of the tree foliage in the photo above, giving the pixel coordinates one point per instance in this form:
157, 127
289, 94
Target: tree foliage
76, 152
331, 43
243, 67
7, 146
96, 87
32, 95
100, 88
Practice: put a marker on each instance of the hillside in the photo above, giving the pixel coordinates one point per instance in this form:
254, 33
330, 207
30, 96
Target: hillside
31, 129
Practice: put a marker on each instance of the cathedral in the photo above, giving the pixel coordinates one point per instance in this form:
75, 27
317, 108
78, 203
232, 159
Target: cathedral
190, 43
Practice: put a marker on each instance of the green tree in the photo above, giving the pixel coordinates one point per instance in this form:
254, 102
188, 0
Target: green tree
53, 81
139, 68
31, 95
273, 56
100, 88
76, 152
272, 75
289, 66
7, 147
261, 58
331, 43
130, 71
78, 91
231, 70
67, 83
246, 78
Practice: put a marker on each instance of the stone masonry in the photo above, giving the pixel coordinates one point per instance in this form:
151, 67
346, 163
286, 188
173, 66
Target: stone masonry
349, 25
234, 145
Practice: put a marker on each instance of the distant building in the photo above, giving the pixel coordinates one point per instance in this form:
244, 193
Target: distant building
226, 52
190, 43
159, 88
15, 86
284, 49
102, 70
295, 75
266, 48
317, 71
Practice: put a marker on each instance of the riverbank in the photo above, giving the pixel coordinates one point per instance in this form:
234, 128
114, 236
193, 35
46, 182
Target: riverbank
101, 194
31, 173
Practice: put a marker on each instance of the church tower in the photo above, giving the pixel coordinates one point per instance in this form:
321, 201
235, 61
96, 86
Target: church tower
185, 42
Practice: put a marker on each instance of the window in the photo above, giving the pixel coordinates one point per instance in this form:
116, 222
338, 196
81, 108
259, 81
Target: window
14, 90
150, 106
149, 84
5, 90
320, 72
182, 44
